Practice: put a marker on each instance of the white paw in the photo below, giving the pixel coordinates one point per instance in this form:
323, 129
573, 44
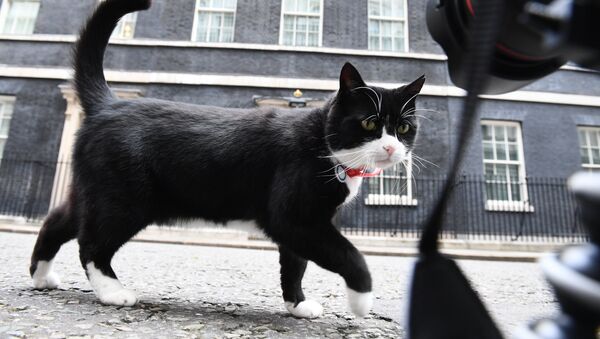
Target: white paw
50, 281
123, 297
360, 303
44, 277
305, 309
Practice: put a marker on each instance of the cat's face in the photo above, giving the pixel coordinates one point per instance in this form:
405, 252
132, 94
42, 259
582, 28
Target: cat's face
371, 127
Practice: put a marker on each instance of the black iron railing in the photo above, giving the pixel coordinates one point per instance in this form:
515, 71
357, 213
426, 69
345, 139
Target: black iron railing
543, 210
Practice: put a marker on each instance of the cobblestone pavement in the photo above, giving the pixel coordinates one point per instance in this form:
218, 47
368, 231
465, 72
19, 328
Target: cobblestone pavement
207, 292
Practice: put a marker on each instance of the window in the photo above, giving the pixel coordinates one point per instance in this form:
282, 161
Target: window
18, 16
589, 141
126, 27
392, 187
301, 23
6, 109
504, 168
388, 25
215, 20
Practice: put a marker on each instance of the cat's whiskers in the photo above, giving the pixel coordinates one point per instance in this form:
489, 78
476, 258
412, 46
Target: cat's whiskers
407, 101
421, 160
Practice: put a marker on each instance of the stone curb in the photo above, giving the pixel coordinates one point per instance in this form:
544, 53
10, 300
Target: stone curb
380, 246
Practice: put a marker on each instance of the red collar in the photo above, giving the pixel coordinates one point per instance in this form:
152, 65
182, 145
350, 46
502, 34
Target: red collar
362, 172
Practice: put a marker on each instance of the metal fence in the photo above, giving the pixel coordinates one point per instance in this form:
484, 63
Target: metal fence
544, 211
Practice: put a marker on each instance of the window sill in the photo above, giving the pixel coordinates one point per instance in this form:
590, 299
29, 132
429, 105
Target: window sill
389, 200
509, 206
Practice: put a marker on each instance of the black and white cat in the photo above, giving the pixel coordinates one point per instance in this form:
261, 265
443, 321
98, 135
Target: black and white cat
144, 161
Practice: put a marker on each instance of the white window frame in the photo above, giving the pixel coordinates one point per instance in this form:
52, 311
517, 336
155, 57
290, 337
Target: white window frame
405, 199
509, 205
589, 130
199, 9
5, 8
5, 100
392, 19
281, 25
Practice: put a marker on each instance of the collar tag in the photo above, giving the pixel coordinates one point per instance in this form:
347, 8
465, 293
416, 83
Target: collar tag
340, 173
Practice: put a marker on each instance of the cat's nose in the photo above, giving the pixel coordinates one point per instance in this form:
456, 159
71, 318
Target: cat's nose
389, 149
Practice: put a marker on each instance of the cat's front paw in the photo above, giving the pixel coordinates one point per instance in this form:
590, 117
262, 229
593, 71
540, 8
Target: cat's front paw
50, 281
305, 309
121, 297
360, 302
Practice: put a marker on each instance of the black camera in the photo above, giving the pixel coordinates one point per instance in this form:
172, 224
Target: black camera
535, 39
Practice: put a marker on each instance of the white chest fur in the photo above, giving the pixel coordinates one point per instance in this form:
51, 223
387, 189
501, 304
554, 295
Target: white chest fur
353, 185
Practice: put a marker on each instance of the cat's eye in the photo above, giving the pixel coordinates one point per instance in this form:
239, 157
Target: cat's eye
369, 124
403, 129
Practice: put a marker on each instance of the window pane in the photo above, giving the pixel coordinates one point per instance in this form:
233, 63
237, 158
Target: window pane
582, 139
230, 4
4, 125
488, 151
217, 4
386, 28
386, 44
513, 152
593, 139
315, 6
486, 132
501, 151
512, 134
288, 38
313, 39
373, 27
20, 18
585, 159
374, 43
288, 23
386, 7
300, 39
499, 131
289, 5
374, 7
596, 156
228, 20
301, 24
513, 172
398, 8
302, 6
313, 25
515, 192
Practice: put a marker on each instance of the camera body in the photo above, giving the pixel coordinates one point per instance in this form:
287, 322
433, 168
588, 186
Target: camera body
536, 39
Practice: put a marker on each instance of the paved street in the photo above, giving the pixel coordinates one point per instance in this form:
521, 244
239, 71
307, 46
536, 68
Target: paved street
192, 291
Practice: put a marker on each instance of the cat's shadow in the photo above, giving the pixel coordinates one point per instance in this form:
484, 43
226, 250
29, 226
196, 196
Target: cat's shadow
176, 310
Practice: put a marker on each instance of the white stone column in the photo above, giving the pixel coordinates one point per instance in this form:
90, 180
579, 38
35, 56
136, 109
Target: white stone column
74, 116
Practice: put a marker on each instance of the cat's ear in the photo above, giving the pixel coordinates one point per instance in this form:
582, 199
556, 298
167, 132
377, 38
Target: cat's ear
414, 87
350, 78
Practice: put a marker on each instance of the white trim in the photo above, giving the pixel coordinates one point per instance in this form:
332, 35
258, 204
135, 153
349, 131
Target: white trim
509, 206
389, 200
296, 14
150, 77
69, 38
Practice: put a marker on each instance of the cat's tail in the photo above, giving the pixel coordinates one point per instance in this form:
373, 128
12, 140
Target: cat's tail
90, 83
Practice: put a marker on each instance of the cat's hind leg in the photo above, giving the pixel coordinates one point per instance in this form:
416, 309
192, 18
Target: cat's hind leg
58, 228
292, 271
101, 236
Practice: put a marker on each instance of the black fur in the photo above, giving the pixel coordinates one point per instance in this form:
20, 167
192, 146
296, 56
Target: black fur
146, 161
